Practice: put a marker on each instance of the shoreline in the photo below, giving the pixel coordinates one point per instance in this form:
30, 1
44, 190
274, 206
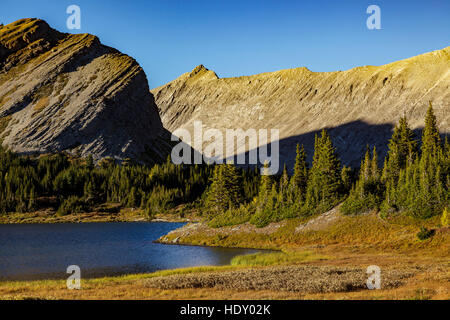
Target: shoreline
420, 269
90, 217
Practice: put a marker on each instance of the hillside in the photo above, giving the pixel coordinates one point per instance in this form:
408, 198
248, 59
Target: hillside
360, 106
68, 92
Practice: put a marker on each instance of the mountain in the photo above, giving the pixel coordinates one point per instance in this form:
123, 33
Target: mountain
359, 106
68, 92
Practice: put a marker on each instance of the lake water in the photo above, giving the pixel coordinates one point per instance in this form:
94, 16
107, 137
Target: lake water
42, 251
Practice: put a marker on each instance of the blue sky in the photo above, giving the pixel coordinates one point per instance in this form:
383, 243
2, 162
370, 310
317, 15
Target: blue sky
234, 38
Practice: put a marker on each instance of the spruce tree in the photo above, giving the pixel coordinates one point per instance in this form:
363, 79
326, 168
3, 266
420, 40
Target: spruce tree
215, 199
300, 177
431, 140
402, 150
225, 190
324, 182
232, 185
265, 187
368, 191
284, 186
375, 170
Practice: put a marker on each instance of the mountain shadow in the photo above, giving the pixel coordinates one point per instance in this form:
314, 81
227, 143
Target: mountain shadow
350, 140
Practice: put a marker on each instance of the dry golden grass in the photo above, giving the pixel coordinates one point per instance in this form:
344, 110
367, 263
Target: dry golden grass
306, 279
40, 105
365, 233
427, 278
310, 261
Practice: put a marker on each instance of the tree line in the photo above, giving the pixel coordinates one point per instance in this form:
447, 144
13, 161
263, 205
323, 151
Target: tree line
414, 179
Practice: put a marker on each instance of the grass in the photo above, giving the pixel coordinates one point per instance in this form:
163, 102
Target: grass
230, 218
277, 258
51, 217
107, 212
306, 279
334, 280
335, 255
365, 232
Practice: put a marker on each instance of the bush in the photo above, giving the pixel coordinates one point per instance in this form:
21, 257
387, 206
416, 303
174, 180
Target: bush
71, 205
425, 233
445, 219
263, 217
231, 217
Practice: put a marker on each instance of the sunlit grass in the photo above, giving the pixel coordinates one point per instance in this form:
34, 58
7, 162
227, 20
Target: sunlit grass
276, 258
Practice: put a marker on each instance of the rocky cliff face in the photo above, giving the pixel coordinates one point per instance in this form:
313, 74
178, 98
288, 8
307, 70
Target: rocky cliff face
69, 92
359, 106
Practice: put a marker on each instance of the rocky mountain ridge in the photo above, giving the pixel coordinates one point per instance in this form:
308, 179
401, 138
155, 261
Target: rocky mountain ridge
359, 106
68, 92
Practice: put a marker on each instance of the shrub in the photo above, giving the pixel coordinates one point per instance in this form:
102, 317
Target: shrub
231, 217
263, 217
445, 219
425, 233
71, 205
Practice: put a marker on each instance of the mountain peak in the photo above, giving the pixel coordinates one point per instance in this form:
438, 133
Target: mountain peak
300, 103
17, 35
68, 92
201, 71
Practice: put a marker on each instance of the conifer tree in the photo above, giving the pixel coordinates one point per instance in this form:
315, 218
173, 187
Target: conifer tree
402, 150
367, 193
225, 190
267, 200
366, 168
375, 170
284, 186
346, 177
324, 182
232, 184
216, 194
300, 177
431, 140
265, 187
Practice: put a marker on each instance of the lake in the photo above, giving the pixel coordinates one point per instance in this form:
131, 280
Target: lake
44, 251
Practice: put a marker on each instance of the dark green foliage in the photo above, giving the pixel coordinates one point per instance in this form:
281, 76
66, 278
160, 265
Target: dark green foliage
421, 186
324, 183
300, 177
402, 151
413, 182
368, 191
225, 190
79, 184
231, 217
425, 233
266, 202
431, 140
72, 204
347, 179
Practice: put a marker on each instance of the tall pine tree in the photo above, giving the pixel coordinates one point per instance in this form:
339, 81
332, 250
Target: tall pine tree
324, 183
431, 140
299, 179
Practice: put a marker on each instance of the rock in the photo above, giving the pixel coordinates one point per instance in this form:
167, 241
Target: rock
68, 92
360, 106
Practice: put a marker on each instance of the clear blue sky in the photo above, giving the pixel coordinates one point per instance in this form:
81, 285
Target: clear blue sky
233, 38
